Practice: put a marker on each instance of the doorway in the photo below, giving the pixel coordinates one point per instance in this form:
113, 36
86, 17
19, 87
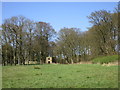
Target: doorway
48, 62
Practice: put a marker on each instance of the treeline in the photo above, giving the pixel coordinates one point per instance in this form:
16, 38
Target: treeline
24, 40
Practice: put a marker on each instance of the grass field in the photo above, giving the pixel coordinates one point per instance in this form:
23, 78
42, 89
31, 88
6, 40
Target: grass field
0, 77
60, 76
105, 59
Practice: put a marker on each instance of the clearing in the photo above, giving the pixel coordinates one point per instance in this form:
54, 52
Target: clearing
60, 76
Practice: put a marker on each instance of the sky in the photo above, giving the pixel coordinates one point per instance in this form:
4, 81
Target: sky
58, 14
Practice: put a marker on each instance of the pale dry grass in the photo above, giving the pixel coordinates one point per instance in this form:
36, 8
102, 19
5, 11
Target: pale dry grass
88, 62
110, 64
31, 62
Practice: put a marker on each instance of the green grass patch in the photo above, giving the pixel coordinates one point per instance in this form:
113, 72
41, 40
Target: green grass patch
60, 76
105, 59
0, 77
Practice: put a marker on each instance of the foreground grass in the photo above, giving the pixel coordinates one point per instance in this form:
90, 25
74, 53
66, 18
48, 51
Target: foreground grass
0, 77
60, 76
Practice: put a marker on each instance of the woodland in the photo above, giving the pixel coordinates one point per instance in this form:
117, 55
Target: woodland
25, 40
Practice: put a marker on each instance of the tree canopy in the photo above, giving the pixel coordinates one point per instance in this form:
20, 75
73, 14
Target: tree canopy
24, 40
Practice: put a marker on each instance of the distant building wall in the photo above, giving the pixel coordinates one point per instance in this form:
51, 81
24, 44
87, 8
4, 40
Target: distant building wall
48, 60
